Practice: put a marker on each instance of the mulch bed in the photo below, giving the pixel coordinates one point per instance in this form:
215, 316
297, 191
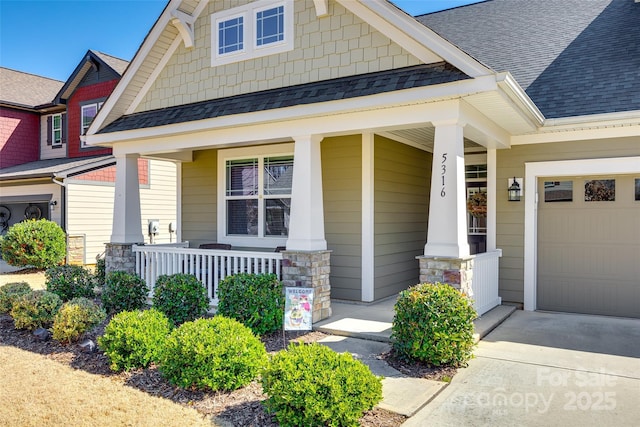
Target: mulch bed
241, 407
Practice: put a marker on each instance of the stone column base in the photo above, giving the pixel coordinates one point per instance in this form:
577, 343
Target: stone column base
310, 270
120, 257
457, 272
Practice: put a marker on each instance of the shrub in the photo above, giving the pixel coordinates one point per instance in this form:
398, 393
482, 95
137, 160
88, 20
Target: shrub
134, 339
256, 300
181, 297
35, 309
100, 272
123, 291
76, 317
69, 281
39, 243
9, 293
312, 385
433, 323
217, 353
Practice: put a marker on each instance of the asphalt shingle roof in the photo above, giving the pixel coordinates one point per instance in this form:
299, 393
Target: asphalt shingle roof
26, 90
48, 168
309, 93
573, 57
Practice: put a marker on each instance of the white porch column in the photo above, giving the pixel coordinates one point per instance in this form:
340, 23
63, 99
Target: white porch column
127, 219
306, 226
447, 233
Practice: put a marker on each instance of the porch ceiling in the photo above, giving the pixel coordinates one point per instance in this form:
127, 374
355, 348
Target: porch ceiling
423, 137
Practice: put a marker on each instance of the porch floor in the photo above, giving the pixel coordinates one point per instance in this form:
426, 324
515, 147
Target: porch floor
373, 321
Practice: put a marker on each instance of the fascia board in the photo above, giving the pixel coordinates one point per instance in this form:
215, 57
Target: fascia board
368, 103
416, 38
514, 91
583, 134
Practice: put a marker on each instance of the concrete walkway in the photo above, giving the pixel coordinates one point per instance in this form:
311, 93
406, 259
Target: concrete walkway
548, 369
364, 330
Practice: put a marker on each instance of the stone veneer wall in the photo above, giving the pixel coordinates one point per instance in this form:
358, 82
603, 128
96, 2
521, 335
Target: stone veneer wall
457, 272
310, 270
120, 257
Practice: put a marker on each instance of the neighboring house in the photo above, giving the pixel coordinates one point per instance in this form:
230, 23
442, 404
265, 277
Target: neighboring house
394, 131
47, 170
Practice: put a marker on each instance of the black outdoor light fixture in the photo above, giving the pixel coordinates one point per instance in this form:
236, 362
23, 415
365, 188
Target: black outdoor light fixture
514, 191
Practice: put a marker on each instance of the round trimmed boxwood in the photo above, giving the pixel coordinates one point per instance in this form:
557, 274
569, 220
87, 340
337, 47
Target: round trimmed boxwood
76, 317
35, 309
123, 291
216, 353
433, 323
181, 297
10, 292
69, 281
134, 339
312, 385
255, 300
38, 243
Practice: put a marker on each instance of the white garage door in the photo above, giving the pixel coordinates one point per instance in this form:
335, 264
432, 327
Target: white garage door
589, 245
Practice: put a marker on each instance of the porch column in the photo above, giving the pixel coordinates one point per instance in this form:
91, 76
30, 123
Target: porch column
306, 260
447, 234
446, 256
126, 228
306, 226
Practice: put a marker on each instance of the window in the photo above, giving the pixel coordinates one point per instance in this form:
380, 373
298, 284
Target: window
88, 113
558, 191
600, 190
56, 130
256, 203
253, 30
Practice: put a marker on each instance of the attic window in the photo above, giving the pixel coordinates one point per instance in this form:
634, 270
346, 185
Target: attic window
251, 31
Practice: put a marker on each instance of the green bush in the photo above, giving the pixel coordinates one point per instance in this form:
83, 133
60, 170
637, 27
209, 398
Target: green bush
433, 323
123, 291
312, 385
100, 273
217, 353
9, 293
255, 300
76, 317
35, 309
181, 297
69, 281
134, 339
38, 243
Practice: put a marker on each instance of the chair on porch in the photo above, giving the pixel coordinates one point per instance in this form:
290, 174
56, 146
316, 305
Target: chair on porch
223, 246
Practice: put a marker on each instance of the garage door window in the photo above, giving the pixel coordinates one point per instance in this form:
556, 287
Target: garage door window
600, 190
558, 191
637, 189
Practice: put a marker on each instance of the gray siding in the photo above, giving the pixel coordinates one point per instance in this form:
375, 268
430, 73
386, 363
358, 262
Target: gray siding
199, 198
401, 200
510, 215
342, 187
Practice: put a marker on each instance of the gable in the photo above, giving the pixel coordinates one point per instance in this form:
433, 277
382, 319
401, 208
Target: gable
337, 45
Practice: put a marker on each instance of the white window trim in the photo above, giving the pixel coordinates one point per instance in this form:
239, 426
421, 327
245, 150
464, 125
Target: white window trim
83, 142
250, 47
239, 154
55, 143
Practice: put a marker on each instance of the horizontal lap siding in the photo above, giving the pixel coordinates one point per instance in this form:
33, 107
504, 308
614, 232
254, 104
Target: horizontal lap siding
510, 215
199, 198
402, 176
342, 188
90, 208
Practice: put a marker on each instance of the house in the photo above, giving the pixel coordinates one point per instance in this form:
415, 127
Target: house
48, 171
418, 149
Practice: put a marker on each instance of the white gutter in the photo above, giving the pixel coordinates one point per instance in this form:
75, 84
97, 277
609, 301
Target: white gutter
515, 92
595, 120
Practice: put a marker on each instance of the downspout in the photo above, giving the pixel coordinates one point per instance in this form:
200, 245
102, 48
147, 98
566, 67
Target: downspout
63, 207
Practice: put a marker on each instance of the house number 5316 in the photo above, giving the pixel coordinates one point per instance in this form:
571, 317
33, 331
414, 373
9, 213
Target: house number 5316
443, 173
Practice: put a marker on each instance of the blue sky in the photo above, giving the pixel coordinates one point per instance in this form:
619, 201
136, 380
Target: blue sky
49, 38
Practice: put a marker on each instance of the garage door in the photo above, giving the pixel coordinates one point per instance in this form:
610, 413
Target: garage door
589, 245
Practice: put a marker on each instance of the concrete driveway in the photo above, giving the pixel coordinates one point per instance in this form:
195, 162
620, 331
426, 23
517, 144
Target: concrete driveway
548, 369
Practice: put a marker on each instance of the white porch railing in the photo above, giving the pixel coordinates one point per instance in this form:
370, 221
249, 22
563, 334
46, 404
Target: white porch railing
208, 265
485, 281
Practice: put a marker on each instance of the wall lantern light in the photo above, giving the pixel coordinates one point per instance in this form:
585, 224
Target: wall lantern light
515, 189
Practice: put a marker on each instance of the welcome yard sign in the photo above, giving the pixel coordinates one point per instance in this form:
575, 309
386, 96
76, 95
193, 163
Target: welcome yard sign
298, 313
